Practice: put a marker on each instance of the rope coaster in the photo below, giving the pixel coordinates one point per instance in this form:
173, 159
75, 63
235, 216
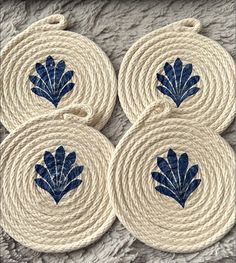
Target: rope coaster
46, 68
172, 182
177, 64
53, 183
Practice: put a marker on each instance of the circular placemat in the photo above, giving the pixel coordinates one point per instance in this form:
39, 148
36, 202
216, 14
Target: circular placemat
53, 184
177, 64
172, 183
46, 68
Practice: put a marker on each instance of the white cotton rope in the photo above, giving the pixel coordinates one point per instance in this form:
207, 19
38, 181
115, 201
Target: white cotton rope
94, 78
154, 218
213, 105
28, 213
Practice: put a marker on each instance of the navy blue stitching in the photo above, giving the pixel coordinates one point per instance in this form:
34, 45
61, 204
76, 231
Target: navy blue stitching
59, 175
177, 83
175, 179
52, 83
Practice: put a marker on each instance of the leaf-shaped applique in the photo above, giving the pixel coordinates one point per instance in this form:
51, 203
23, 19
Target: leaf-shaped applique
53, 82
60, 174
177, 82
175, 179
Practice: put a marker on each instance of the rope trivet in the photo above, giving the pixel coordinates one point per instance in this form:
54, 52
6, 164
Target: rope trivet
172, 182
189, 70
53, 182
46, 68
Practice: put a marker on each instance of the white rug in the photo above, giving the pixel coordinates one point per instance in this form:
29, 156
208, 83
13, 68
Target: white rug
114, 26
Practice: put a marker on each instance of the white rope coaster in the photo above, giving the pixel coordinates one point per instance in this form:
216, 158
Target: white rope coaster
177, 64
53, 182
172, 182
46, 68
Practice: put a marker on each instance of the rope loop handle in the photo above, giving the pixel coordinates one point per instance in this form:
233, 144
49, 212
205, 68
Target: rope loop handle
160, 108
82, 112
53, 22
185, 25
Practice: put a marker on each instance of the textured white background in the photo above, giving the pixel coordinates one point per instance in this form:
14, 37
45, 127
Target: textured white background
114, 26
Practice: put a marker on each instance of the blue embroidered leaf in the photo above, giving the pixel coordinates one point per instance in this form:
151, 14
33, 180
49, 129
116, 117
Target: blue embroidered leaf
58, 177
192, 187
190, 83
188, 93
72, 185
59, 158
50, 65
165, 191
44, 174
60, 68
178, 66
173, 162
53, 82
166, 91
44, 185
183, 166
43, 74
177, 82
162, 179
50, 162
69, 161
192, 172
38, 82
169, 71
166, 170
176, 180
186, 73
76, 171
166, 83
66, 77
66, 89
42, 93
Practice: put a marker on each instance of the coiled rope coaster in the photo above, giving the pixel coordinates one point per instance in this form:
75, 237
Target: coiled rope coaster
53, 182
172, 182
177, 64
46, 68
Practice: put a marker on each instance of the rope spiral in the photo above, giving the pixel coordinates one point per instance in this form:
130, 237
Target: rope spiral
94, 77
157, 219
214, 104
28, 213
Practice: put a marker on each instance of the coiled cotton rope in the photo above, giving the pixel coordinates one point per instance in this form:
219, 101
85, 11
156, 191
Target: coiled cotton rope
28, 213
154, 218
94, 77
213, 105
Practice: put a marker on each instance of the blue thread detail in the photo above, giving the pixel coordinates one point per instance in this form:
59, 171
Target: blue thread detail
177, 82
52, 83
59, 175
175, 179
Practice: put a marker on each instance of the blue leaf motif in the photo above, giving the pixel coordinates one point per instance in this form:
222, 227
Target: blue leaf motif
52, 82
60, 174
175, 179
177, 82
